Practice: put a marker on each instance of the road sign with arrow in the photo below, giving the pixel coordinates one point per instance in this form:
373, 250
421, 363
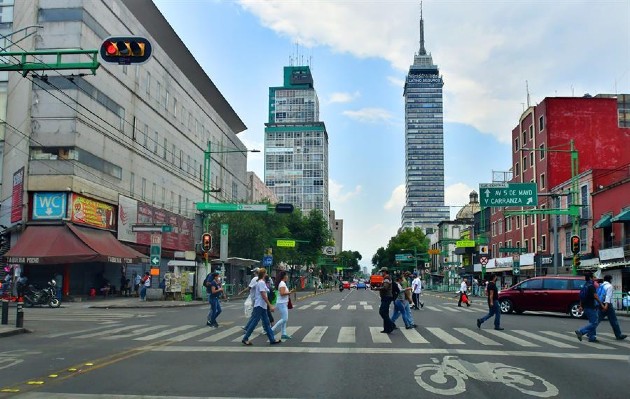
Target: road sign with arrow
508, 194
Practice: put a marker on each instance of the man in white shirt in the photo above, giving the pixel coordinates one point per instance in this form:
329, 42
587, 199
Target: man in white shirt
248, 306
463, 288
416, 286
608, 309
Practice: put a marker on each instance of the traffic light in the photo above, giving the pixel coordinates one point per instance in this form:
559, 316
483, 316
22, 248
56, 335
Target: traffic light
576, 261
125, 50
575, 245
206, 242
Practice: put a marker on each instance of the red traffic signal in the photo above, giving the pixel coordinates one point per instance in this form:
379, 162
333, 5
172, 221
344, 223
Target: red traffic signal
575, 245
206, 242
125, 50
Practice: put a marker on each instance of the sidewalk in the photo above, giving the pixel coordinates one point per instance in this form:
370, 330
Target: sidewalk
135, 303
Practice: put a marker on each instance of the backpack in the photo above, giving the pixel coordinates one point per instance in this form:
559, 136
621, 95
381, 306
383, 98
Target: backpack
584, 291
271, 295
395, 290
601, 293
207, 281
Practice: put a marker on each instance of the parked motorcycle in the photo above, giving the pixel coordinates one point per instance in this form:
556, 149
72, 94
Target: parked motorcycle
34, 296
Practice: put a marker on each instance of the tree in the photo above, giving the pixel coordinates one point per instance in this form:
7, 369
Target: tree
404, 242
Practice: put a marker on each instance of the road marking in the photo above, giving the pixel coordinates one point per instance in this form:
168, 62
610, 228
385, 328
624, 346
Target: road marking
347, 335
616, 342
367, 307
574, 339
320, 307
450, 309
433, 308
80, 331
315, 335
108, 331
467, 309
508, 337
336, 307
378, 337
352, 307
192, 334
165, 332
413, 336
549, 341
363, 303
477, 337
444, 336
136, 332
224, 334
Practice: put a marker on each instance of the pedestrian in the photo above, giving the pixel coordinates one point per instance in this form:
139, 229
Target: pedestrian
282, 304
416, 286
475, 287
589, 302
261, 304
493, 304
145, 282
248, 305
385, 291
463, 288
136, 283
608, 310
214, 290
399, 305
271, 295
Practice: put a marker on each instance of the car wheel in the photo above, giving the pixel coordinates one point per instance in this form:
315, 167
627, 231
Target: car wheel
506, 306
575, 311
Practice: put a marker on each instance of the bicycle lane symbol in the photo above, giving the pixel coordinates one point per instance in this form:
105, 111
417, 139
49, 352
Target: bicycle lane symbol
13, 358
448, 378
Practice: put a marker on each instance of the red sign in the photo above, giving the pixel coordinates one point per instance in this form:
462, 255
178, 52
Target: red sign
93, 213
17, 195
180, 239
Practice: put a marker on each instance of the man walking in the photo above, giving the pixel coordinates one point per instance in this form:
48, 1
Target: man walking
261, 303
399, 305
215, 290
386, 300
462, 292
416, 286
589, 301
493, 304
608, 310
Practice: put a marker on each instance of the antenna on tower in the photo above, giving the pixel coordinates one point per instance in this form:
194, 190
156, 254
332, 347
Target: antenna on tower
422, 49
527, 89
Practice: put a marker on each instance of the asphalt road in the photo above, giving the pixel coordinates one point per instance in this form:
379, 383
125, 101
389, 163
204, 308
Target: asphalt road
337, 350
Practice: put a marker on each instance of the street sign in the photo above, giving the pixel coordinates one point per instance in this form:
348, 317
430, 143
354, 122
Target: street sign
284, 208
329, 251
433, 251
403, 257
483, 250
513, 249
152, 228
223, 245
483, 260
267, 261
465, 244
227, 207
285, 243
508, 194
155, 251
516, 264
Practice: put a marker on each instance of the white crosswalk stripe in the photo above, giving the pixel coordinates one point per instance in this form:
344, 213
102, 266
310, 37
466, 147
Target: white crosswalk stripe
614, 341
352, 307
135, 332
433, 308
414, 336
378, 337
364, 306
508, 337
483, 340
572, 338
444, 336
316, 334
549, 341
108, 331
347, 335
164, 333
336, 307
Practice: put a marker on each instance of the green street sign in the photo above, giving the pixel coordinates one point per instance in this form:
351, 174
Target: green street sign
513, 249
155, 260
403, 257
508, 194
285, 243
167, 228
465, 244
226, 207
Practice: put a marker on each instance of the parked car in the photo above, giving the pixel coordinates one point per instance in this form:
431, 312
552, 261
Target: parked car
361, 285
353, 285
546, 293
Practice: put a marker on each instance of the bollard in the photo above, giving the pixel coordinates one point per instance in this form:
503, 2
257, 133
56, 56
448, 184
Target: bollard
19, 317
5, 311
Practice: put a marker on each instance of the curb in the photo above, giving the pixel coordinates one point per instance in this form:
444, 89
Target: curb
14, 331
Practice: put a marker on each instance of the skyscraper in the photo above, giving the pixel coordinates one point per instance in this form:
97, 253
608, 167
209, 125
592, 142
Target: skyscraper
296, 143
424, 143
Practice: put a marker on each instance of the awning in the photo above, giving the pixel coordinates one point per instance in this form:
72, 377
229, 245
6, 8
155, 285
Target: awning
104, 243
46, 245
624, 216
604, 221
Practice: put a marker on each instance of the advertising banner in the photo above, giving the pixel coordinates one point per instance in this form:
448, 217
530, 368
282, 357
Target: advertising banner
127, 217
89, 212
17, 195
49, 206
179, 239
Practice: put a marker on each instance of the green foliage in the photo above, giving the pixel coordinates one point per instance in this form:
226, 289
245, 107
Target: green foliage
408, 241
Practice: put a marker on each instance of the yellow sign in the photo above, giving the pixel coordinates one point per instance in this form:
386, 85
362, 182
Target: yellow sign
465, 244
434, 252
286, 243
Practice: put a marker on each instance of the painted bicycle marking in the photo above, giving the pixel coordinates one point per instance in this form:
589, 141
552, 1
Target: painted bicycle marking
449, 377
12, 358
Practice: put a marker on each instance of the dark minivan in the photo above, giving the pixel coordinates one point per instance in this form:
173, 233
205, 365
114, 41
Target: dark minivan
546, 293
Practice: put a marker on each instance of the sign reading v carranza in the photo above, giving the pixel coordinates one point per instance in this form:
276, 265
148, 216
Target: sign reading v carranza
508, 194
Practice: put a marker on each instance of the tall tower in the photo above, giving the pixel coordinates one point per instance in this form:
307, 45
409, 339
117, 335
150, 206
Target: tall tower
424, 143
296, 144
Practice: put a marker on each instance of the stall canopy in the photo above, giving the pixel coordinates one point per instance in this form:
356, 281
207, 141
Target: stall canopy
69, 244
604, 221
623, 216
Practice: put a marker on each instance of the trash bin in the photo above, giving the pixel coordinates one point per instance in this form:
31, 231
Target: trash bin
187, 297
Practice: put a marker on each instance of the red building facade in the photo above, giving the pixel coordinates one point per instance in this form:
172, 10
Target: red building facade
540, 154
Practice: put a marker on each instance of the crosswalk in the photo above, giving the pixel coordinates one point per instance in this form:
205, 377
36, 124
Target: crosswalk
364, 305
87, 315
351, 335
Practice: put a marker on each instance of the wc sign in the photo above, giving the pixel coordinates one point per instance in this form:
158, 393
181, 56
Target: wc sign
49, 206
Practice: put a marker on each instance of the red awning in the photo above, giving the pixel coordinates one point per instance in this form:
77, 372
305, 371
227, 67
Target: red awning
104, 243
70, 244
50, 245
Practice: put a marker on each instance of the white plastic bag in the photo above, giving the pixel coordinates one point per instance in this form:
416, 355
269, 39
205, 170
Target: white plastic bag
248, 307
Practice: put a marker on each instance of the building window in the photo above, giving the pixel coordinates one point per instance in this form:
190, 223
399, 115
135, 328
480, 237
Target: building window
159, 91
541, 124
518, 222
534, 249
145, 138
132, 183
163, 196
155, 142
524, 137
525, 220
179, 205
508, 223
153, 193
543, 216
171, 205
543, 243
542, 151
583, 236
524, 163
531, 159
494, 250
175, 107
143, 188
531, 132
164, 149
542, 181
526, 245
584, 204
516, 146
148, 87
517, 169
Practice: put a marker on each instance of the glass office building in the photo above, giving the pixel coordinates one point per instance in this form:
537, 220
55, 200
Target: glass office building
424, 144
296, 144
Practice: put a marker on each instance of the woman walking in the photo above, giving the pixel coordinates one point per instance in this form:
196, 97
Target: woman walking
282, 304
261, 303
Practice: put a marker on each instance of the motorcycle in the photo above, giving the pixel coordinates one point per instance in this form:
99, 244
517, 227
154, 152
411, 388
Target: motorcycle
33, 296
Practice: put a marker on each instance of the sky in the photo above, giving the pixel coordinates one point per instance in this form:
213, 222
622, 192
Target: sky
495, 57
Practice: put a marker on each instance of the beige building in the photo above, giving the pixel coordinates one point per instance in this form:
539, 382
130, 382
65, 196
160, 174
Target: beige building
257, 191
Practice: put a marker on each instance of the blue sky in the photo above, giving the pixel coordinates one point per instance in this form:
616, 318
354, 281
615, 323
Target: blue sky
360, 52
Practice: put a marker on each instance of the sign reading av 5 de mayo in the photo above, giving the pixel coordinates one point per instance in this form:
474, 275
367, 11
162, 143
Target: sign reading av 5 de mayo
92, 213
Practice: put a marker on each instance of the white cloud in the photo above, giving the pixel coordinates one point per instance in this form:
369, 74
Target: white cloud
456, 196
343, 97
369, 115
396, 81
396, 200
338, 195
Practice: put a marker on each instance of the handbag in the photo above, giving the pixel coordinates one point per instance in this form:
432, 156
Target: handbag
290, 305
